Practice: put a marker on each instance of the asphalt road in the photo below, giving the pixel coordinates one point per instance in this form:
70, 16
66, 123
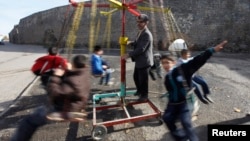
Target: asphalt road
228, 76
15, 74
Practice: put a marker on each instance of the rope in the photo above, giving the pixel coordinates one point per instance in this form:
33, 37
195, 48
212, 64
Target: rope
153, 23
108, 31
97, 29
175, 24
74, 28
63, 28
164, 20
92, 25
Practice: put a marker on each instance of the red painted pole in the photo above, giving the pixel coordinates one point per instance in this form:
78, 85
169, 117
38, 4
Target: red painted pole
123, 61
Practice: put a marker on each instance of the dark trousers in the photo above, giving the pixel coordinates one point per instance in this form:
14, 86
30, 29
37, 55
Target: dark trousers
156, 70
141, 80
199, 80
105, 78
175, 112
30, 124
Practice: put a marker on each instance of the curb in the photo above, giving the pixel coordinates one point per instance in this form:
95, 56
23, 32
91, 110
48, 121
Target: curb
24, 92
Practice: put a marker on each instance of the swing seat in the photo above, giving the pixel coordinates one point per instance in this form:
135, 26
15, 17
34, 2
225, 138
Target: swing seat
67, 116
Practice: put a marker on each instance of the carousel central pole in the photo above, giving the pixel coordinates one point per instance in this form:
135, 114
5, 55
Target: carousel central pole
123, 43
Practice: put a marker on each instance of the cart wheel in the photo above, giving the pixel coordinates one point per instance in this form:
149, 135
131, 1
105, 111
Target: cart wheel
99, 132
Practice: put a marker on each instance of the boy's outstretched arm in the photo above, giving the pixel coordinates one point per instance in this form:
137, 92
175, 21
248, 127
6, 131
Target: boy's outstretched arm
199, 60
220, 46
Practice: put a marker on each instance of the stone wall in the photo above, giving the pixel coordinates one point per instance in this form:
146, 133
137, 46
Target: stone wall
202, 24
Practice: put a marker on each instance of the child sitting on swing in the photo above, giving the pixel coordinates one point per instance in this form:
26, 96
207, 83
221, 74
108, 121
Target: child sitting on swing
100, 67
68, 91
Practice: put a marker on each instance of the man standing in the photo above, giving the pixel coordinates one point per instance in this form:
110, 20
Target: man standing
142, 55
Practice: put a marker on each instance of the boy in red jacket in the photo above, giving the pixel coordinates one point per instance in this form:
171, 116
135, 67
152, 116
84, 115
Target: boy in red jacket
45, 65
69, 91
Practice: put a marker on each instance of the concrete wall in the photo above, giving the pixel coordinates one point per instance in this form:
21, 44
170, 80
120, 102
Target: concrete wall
202, 24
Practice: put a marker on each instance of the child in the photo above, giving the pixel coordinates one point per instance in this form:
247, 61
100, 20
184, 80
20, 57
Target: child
69, 91
45, 65
175, 82
197, 80
99, 66
156, 68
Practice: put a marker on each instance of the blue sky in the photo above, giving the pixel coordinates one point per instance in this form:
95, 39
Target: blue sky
14, 10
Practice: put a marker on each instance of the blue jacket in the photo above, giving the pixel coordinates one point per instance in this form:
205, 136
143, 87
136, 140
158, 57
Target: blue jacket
96, 64
174, 79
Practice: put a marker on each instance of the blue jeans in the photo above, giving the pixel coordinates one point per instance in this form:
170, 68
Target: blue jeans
156, 70
199, 80
105, 78
30, 124
180, 111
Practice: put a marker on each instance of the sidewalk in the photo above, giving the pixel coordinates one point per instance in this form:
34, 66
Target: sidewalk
15, 74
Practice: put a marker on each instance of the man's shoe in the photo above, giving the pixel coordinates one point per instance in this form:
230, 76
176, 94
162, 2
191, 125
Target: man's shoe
137, 94
208, 98
142, 99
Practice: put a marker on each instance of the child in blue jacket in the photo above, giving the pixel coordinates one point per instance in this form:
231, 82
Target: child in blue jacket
99, 67
176, 81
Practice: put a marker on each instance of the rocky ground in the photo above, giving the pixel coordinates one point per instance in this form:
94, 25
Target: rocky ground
228, 76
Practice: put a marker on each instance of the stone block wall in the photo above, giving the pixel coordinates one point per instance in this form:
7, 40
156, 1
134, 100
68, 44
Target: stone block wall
202, 24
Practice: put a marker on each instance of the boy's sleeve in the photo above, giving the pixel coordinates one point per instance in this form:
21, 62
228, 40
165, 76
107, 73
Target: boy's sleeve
197, 62
56, 86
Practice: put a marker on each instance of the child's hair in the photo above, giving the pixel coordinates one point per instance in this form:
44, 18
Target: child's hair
97, 48
184, 51
79, 61
52, 50
168, 57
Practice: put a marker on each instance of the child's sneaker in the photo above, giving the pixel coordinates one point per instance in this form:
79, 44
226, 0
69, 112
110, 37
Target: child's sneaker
109, 84
110, 70
208, 98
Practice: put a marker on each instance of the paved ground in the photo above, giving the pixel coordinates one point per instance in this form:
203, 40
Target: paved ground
227, 74
15, 74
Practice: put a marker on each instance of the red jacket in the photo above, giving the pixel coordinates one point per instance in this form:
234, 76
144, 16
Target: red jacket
49, 62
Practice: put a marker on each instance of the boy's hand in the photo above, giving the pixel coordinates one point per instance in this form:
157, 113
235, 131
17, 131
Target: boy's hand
220, 46
104, 67
59, 72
